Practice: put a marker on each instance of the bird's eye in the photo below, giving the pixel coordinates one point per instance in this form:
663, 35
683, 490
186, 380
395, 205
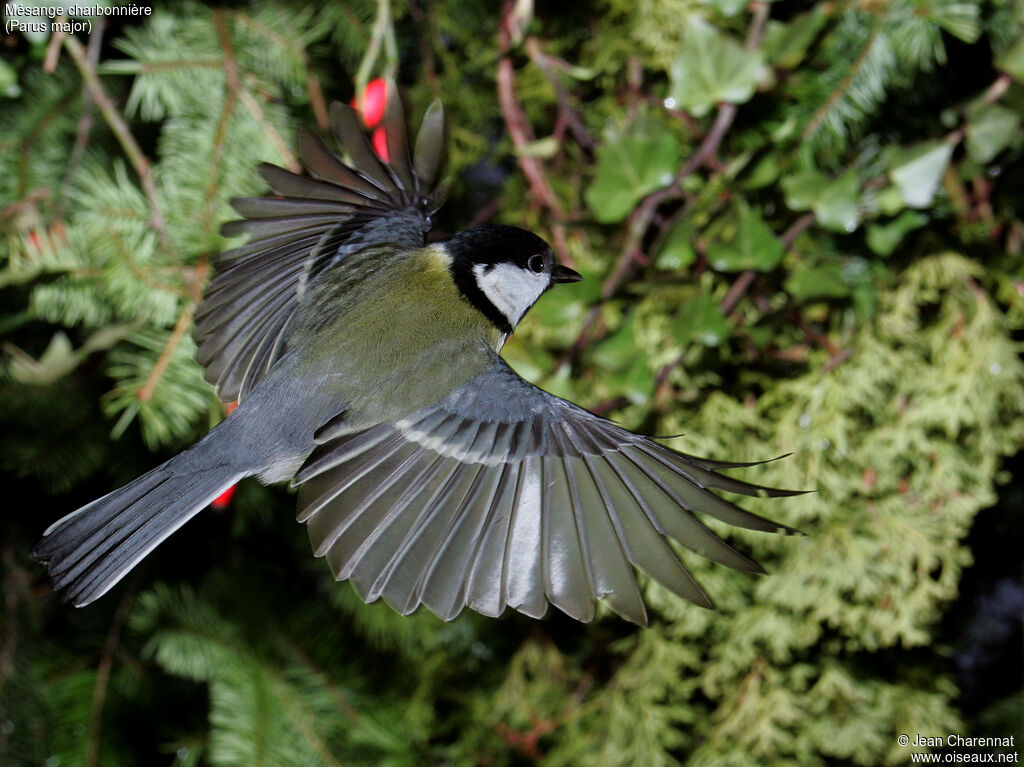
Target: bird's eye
536, 264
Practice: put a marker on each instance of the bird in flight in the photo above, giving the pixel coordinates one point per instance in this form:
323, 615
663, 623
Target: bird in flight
365, 363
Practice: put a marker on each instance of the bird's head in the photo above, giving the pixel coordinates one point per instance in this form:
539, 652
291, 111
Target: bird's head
503, 270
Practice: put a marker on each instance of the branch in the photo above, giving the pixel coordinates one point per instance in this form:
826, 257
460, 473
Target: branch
546, 64
99, 690
231, 89
121, 131
743, 282
180, 328
642, 216
86, 120
381, 33
515, 120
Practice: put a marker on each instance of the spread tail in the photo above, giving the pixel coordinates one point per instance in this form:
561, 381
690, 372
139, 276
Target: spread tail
91, 549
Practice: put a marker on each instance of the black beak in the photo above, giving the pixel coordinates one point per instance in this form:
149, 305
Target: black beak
564, 274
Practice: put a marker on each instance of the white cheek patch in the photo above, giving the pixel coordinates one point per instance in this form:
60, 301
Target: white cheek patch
512, 290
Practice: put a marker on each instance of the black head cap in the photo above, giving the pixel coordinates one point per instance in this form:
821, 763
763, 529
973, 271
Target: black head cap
493, 244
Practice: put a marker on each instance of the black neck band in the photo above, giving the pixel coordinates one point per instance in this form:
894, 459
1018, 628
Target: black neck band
465, 281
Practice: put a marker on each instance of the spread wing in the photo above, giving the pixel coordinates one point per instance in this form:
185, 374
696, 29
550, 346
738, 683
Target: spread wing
307, 223
505, 495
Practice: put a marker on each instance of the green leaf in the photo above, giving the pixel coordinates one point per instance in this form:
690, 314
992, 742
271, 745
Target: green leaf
883, 238
890, 201
710, 68
701, 321
1011, 60
8, 81
752, 245
836, 206
617, 352
765, 172
638, 381
916, 171
676, 251
629, 167
726, 7
785, 45
823, 280
544, 148
990, 130
802, 189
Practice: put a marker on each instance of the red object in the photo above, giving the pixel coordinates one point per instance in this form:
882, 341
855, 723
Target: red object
375, 98
223, 500
380, 143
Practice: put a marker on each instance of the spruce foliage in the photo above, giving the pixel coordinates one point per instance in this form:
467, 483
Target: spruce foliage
800, 229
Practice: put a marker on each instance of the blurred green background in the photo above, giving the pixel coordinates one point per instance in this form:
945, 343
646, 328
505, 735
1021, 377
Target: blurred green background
800, 227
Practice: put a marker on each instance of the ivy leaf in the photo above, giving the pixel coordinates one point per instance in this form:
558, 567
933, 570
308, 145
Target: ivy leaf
676, 251
990, 130
617, 352
785, 45
765, 172
916, 171
823, 280
1011, 60
701, 321
752, 245
802, 189
883, 238
629, 167
710, 68
890, 201
835, 207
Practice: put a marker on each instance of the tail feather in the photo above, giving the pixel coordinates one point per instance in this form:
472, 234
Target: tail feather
91, 549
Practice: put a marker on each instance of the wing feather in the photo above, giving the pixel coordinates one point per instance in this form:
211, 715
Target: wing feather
502, 495
309, 223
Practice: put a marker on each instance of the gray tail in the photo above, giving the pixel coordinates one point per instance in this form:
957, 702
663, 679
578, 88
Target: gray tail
91, 549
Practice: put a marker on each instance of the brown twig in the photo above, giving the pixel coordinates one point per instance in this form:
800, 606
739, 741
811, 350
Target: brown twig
231, 89
316, 98
546, 64
642, 216
744, 281
519, 129
99, 690
177, 334
53, 49
121, 131
85, 121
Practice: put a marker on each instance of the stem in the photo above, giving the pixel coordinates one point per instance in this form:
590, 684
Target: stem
99, 690
180, 328
642, 217
121, 131
86, 120
378, 34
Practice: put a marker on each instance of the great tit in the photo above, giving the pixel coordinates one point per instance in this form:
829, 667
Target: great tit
365, 362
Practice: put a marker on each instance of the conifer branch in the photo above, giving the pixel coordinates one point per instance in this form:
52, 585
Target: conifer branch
177, 334
26, 146
231, 90
122, 132
316, 96
844, 86
300, 720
